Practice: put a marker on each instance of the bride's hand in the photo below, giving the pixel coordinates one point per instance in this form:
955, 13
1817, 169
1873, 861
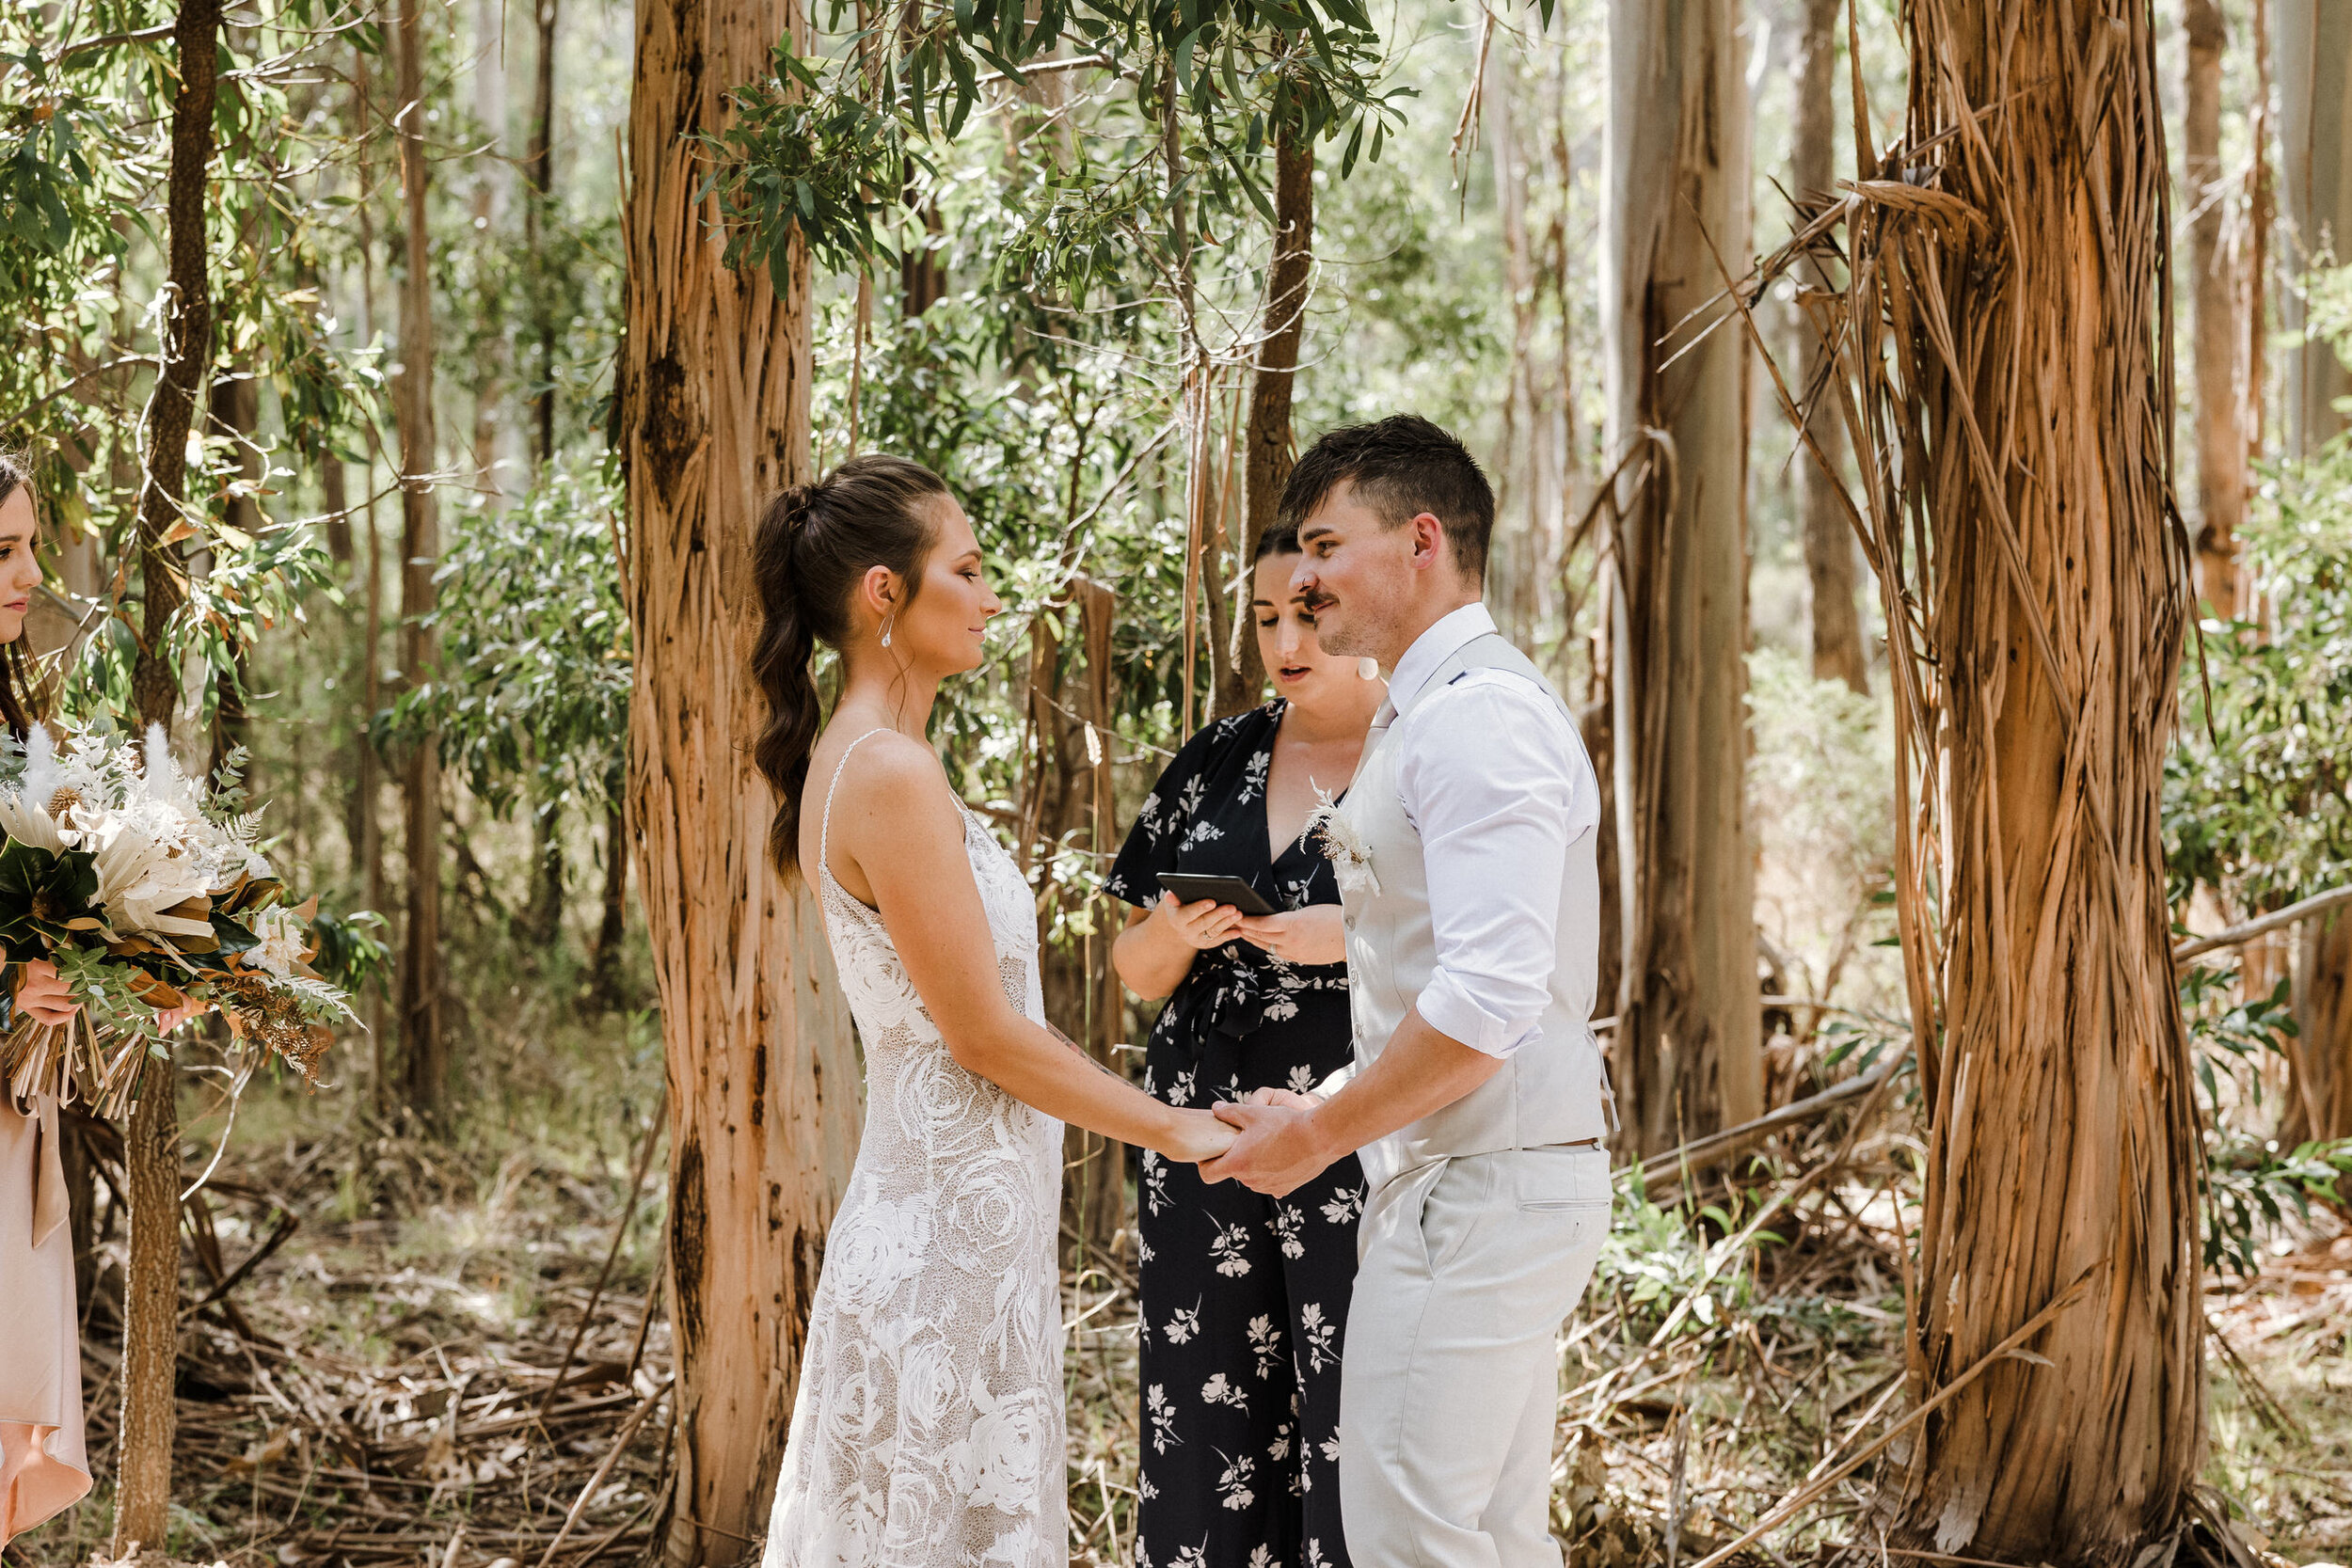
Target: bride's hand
1197, 1136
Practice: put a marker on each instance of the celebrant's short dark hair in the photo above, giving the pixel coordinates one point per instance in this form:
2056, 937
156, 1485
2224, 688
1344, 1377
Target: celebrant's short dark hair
1400, 467
1281, 539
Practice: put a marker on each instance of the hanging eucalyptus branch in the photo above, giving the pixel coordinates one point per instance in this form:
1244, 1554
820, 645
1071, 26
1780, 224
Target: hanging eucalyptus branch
828, 147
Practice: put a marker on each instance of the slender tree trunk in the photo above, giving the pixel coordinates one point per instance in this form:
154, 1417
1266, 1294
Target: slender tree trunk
490, 365
367, 828
425, 1044
1518, 563
2314, 40
1102, 1212
545, 915
763, 1075
1688, 1054
612, 927
2319, 1099
2313, 44
2262, 214
237, 413
335, 498
151, 1335
1829, 544
539, 178
2008, 335
1268, 444
2220, 414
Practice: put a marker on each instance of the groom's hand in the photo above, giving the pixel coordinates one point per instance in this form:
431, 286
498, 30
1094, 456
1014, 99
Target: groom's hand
1278, 1151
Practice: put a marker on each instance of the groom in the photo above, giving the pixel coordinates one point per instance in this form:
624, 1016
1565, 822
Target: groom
1464, 855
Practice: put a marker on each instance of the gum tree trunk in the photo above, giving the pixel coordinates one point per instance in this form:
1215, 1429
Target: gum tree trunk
762, 1070
2007, 335
2312, 40
1688, 1055
1829, 544
1269, 444
151, 1328
2221, 413
425, 1044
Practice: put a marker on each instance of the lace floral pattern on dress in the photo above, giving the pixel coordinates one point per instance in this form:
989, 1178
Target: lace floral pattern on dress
928, 1431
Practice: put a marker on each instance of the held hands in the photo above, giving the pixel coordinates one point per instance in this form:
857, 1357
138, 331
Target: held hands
1315, 935
1277, 1150
1199, 1136
1203, 925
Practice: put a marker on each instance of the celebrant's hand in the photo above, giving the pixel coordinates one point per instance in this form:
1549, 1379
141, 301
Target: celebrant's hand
43, 996
1202, 924
1315, 935
1277, 1152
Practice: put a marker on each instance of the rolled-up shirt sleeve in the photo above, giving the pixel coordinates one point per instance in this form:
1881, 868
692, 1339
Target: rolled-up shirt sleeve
1490, 774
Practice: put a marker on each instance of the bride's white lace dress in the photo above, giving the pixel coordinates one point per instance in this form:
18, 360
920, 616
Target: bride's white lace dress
927, 1429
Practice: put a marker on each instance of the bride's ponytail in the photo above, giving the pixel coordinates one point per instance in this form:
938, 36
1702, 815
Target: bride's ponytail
812, 546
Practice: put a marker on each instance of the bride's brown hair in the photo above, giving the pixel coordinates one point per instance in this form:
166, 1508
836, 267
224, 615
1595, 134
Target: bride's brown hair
16, 685
812, 546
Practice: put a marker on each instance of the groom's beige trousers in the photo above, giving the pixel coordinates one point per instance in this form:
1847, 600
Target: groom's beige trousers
1450, 1383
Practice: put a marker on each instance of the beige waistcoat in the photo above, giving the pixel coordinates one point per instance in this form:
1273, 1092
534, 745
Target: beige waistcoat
1555, 1089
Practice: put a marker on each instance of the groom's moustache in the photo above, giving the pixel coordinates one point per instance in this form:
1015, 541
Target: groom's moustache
1317, 601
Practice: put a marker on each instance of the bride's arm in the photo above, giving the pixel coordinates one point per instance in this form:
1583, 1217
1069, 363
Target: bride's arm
901, 825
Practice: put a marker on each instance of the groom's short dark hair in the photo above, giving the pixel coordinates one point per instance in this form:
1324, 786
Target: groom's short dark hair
1401, 467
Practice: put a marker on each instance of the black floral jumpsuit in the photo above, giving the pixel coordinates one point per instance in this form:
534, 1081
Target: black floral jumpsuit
1244, 1297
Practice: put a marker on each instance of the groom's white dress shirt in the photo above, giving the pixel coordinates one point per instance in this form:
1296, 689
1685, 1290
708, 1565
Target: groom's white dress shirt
1492, 776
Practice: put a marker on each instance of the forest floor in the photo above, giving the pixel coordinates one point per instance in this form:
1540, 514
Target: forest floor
383, 1387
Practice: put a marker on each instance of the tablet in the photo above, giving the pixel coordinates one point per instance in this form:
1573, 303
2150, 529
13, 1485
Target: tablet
1191, 887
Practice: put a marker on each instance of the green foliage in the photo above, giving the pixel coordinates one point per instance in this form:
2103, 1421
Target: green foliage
2249, 1184
804, 153
46, 179
2255, 802
49, 894
352, 950
825, 147
2249, 1188
532, 700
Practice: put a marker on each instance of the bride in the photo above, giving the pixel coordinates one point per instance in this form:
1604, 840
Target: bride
929, 1425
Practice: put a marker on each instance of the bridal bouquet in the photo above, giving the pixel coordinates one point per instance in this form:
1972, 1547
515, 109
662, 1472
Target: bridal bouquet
147, 896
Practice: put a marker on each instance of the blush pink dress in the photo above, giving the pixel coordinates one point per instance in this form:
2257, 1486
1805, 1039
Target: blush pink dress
43, 1469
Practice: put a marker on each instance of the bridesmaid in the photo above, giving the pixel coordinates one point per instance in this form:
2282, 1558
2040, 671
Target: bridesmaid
43, 1469
1244, 1297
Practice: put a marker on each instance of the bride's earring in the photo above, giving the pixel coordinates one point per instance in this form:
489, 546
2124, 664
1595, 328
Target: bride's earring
887, 625
1367, 669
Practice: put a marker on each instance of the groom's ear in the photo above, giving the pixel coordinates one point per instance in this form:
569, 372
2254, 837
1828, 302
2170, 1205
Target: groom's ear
1430, 546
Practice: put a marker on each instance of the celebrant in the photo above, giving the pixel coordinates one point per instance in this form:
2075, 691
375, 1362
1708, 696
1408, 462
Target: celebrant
1244, 1296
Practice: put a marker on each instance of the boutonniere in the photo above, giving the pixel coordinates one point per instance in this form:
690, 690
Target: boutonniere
1344, 845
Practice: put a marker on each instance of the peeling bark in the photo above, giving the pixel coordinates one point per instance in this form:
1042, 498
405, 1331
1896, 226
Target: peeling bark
762, 1067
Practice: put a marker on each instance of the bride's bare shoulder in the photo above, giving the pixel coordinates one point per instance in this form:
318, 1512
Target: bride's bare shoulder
882, 772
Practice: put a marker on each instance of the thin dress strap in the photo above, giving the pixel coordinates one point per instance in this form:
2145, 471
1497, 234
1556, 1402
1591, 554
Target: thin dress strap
824, 823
